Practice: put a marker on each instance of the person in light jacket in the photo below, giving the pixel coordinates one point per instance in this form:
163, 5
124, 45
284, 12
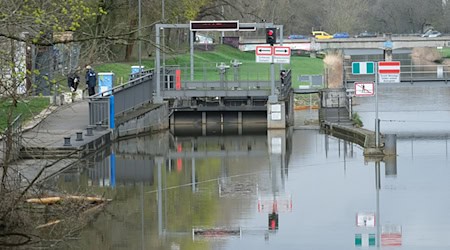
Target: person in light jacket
91, 80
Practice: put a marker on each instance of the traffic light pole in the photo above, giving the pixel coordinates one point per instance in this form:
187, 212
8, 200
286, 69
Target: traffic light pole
272, 98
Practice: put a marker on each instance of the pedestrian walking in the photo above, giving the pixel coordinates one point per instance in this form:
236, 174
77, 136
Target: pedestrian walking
91, 80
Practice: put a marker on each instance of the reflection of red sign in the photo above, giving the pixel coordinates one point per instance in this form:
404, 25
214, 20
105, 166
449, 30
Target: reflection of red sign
391, 235
179, 160
391, 239
277, 204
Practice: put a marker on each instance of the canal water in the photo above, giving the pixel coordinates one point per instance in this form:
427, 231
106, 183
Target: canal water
294, 189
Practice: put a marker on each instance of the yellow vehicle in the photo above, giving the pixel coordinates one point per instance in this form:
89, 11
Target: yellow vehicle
321, 35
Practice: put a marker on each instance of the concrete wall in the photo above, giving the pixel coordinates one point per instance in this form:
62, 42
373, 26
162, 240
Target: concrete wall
153, 120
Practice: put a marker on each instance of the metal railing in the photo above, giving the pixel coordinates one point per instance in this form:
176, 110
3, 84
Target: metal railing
99, 111
128, 96
12, 141
212, 72
409, 73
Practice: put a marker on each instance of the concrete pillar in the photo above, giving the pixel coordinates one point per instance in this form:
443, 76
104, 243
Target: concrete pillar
276, 115
387, 54
240, 123
204, 123
390, 165
390, 144
172, 122
277, 155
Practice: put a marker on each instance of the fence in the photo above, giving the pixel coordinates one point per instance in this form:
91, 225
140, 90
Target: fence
99, 111
128, 96
409, 73
12, 141
227, 71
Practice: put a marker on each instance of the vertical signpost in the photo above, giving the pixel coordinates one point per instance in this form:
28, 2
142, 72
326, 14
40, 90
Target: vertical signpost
388, 72
367, 88
273, 54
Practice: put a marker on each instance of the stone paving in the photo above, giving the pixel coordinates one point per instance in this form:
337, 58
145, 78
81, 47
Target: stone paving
44, 136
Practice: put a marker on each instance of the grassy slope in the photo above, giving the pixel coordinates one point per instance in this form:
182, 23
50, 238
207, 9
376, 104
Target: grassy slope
205, 62
28, 108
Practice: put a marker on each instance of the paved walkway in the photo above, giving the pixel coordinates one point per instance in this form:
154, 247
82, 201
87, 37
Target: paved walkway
64, 121
44, 136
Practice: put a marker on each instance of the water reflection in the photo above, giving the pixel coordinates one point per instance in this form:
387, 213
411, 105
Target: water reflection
284, 190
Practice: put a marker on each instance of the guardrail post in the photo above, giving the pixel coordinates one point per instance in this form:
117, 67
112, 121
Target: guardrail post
79, 136
111, 112
89, 131
99, 126
67, 141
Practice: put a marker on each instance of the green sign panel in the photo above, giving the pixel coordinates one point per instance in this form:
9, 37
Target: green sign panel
364, 239
363, 68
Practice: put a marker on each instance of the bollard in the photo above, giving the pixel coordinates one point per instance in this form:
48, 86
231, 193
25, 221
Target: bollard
99, 126
79, 136
89, 131
67, 141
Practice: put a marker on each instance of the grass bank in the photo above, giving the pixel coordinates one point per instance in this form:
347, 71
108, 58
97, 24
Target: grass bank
206, 61
27, 107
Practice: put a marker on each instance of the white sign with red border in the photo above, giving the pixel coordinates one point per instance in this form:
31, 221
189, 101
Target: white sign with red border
282, 54
273, 54
365, 219
389, 72
264, 54
264, 50
282, 51
364, 89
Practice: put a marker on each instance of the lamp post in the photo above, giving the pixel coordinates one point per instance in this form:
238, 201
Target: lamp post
139, 36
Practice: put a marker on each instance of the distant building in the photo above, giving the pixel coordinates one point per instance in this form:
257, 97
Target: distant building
203, 39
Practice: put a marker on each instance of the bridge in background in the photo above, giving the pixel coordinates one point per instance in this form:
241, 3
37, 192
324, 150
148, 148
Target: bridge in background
312, 44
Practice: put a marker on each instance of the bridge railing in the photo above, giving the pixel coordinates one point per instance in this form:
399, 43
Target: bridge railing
128, 96
12, 141
408, 73
99, 110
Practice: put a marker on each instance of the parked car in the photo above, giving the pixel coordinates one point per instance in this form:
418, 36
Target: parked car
321, 35
297, 37
341, 35
366, 34
432, 33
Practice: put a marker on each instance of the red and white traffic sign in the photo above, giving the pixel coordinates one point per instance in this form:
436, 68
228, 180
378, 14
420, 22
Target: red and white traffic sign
282, 51
389, 67
264, 50
273, 54
364, 89
389, 72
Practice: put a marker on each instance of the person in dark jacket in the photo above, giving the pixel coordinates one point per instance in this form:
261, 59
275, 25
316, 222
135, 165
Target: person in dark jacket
73, 80
91, 79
